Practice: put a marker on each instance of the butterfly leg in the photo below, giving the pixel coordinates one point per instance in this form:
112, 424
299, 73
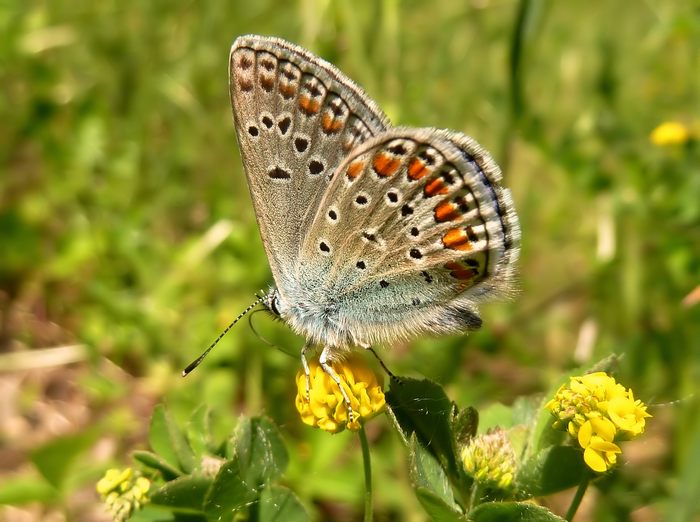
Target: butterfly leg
381, 363
323, 361
306, 370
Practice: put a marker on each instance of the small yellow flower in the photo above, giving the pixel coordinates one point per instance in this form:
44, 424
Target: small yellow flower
597, 411
325, 407
596, 438
670, 133
628, 414
490, 460
123, 492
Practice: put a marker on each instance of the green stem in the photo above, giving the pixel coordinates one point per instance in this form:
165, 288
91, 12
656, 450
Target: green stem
578, 497
368, 473
475, 496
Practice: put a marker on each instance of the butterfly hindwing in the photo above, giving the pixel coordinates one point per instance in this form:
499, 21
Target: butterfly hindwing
296, 118
412, 231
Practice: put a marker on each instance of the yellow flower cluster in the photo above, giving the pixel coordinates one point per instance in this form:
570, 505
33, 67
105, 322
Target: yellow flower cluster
123, 492
325, 407
670, 133
598, 412
490, 460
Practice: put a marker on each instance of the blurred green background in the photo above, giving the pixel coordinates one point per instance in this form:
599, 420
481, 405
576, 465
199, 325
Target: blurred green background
128, 241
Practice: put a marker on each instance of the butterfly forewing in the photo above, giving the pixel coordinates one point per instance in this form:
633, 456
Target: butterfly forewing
413, 223
296, 118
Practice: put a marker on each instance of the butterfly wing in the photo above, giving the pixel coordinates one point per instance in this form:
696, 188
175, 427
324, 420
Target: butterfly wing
412, 233
296, 118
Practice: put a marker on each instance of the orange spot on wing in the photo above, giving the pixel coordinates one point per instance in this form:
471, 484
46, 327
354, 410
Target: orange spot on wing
460, 272
435, 187
417, 169
246, 85
457, 239
385, 165
309, 106
245, 62
267, 83
287, 89
330, 124
355, 168
447, 211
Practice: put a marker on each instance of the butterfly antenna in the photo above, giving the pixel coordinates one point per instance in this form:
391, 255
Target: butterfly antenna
199, 359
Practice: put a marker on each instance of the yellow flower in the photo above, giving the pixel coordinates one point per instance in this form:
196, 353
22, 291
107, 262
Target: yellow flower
628, 414
490, 460
596, 438
114, 479
597, 411
325, 407
670, 133
123, 492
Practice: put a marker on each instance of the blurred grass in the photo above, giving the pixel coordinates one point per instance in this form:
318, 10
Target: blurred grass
126, 227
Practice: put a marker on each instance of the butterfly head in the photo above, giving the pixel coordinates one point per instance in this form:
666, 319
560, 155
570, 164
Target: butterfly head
272, 301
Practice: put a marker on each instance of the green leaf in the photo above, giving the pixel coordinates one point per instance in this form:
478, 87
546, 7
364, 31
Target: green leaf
279, 504
23, 489
436, 507
526, 409
464, 425
543, 435
229, 493
495, 415
159, 436
259, 450
553, 469
259, 457
55, 459
185, 494
198, 431
431, 484
153, 513
421, 407
512, 512
167, 440
518, 437
153, 461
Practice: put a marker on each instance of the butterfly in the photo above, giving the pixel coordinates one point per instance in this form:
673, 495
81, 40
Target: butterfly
373, 233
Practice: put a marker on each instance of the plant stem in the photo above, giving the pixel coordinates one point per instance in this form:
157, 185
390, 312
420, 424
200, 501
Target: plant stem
474, 496
578, 497
368, 473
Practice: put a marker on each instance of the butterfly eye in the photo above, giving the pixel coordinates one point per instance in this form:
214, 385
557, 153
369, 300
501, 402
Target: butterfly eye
274, 302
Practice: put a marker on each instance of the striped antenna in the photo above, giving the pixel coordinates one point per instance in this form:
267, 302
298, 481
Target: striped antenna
199, 359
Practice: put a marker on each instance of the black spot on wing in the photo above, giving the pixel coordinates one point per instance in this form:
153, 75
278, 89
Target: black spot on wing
279, 173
